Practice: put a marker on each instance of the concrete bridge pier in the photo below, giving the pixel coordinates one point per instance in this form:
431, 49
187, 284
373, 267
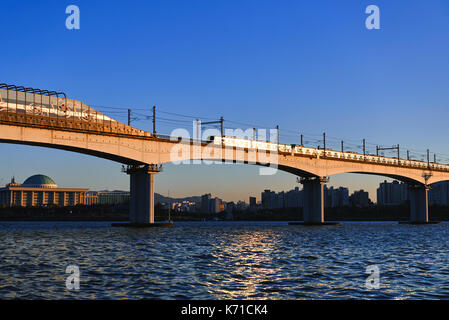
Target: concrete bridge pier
419, 206
313, 200
141, 202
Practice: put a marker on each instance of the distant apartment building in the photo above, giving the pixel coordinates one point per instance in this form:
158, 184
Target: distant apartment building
211, 205
241, 205
253, 204
273, 200
222, 206
336, 197
290, 199
230, 207
252, 201
439, 193
293, 198
40, 190
269, 199
360, 199
205, 199
392, 193
184, 206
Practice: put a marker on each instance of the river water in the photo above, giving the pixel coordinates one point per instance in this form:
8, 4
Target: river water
224, 260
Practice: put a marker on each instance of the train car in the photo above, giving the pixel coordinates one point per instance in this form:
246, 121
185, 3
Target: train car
314, 152
49, 106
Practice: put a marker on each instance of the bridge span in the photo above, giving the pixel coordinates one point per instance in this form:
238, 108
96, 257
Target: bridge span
49, 119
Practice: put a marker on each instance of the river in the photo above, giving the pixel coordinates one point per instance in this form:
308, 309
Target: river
224, 260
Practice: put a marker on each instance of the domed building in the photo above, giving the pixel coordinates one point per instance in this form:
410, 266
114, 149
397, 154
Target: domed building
40, 190
39, 181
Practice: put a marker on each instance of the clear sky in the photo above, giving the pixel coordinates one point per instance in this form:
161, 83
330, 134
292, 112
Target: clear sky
307, 66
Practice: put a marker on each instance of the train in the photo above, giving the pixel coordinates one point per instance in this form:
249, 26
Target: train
51, 106
294, 149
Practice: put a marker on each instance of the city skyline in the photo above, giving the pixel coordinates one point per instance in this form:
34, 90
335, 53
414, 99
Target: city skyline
257, 198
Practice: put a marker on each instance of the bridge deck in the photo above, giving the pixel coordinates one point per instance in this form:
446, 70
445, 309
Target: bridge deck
115, 128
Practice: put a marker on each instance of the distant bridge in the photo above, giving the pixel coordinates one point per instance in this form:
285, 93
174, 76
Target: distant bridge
49, 119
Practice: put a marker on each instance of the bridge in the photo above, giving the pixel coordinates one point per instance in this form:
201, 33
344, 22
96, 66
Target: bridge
49, 119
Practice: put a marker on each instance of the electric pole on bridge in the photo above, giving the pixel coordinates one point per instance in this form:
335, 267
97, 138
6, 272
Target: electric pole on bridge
277, 134
324, 143
220, 122
154, 120
391, 148
364, 149
221, 126
129, 117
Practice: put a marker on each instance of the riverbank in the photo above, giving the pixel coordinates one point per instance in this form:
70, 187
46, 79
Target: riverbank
117, 213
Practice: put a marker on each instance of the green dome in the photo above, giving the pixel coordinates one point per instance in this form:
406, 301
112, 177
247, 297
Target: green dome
39, 180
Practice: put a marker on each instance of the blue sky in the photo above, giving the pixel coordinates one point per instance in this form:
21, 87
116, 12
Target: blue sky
307, 66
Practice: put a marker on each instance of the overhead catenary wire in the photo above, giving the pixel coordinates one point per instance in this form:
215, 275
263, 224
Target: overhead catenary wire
290, 135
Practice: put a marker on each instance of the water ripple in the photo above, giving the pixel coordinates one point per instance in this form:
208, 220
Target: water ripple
223, 260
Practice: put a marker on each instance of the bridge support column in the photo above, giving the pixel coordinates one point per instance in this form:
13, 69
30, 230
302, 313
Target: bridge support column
419, 207
141, 202
313, 200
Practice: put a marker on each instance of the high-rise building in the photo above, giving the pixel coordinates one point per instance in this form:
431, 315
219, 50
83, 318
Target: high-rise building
268, 199
336, 197
205, 202
439, 193
252, 201
280, 198
360, 199
392, 193
211, 205
293, 198
215, 205
290, 199
241, 205
230, 207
